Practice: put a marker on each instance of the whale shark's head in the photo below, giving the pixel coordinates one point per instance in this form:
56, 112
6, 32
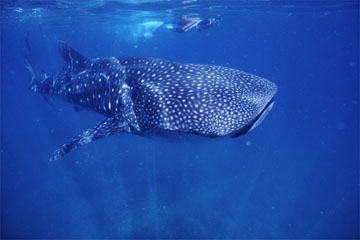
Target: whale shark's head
261, 99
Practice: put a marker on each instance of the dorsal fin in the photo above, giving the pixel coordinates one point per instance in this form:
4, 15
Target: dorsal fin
73, 61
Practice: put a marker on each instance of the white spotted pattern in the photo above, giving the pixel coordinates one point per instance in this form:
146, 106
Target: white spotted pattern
156, 95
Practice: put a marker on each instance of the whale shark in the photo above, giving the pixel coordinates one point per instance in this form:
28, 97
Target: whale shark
154, 97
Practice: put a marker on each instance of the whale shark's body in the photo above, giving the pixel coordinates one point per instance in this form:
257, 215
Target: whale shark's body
148, 96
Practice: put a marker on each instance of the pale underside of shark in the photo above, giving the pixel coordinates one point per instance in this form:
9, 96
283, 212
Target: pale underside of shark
149, 96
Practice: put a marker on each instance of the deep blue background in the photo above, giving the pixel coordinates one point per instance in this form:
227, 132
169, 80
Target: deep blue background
295, 176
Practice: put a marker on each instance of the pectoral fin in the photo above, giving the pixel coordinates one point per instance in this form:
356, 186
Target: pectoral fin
104, 128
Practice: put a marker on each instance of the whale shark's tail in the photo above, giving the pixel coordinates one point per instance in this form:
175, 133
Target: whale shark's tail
29, 65
40, 83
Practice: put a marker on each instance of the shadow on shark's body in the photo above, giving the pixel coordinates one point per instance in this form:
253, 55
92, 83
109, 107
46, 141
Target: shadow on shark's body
155, 97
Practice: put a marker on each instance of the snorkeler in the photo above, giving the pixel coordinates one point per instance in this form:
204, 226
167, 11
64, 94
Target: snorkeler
188, 23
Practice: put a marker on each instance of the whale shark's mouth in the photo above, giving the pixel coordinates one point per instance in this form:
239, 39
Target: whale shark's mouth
257, 120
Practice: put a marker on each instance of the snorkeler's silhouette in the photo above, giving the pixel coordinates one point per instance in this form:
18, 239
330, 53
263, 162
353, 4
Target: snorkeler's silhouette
188, 23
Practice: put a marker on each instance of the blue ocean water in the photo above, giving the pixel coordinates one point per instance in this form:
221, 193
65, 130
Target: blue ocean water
295, 176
